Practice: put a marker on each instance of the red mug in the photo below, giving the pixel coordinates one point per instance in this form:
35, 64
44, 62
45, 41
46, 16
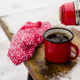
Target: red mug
59, 52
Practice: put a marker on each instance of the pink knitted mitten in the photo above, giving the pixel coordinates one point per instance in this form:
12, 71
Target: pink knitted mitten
25, 41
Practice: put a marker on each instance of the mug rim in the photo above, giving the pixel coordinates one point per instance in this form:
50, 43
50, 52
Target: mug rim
58, 28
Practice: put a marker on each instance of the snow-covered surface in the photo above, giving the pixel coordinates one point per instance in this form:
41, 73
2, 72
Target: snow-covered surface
9, 71
15, 14
12, 6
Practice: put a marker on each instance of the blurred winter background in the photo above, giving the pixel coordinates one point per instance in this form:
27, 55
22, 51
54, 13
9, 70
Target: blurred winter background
8, 71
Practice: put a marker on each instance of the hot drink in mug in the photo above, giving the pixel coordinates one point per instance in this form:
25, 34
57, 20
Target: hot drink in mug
58, 45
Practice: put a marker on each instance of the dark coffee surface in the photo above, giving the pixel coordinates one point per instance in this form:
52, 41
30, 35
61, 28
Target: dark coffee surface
58, 37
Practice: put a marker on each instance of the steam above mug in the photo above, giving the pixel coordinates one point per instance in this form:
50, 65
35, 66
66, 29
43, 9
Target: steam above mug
69, 13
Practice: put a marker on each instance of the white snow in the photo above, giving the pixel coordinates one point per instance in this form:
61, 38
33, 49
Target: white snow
74, 73
15, 14
9, 71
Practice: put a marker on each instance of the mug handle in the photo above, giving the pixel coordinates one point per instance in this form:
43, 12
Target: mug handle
77, 51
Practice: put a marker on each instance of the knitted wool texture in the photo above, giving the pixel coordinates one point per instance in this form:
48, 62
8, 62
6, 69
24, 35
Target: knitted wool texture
25, 41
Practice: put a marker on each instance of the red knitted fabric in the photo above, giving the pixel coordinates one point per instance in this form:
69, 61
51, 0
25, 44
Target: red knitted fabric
25, 41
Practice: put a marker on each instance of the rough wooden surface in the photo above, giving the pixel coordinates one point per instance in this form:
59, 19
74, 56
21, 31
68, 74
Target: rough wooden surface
39, 67
76, 39
6, 30
45, 70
